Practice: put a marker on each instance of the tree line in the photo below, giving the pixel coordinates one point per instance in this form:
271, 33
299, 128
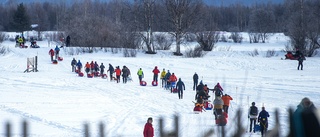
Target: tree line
127, 24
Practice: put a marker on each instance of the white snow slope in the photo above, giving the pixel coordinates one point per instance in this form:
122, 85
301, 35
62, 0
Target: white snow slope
56, 102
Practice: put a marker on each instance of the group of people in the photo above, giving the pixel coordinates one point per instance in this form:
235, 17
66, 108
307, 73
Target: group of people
95, 69
54, 53
261, 116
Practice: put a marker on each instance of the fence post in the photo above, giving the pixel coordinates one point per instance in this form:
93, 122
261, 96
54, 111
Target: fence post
24, 128
86, 130
8, 130
36, 64
101, 129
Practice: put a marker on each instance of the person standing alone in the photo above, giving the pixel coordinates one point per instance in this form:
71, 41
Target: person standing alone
155, 74
148, 130
300, 61
195, 80
180, 87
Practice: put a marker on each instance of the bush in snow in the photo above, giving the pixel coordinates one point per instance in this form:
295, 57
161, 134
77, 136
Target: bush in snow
3, 50
194, 53
129, 52
254, 53
162, 42
270, 53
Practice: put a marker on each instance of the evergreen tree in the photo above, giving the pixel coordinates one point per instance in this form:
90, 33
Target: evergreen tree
20, 21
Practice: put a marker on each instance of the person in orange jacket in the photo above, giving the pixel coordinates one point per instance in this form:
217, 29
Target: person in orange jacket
118, 73
226, 102
173, 80
87, 67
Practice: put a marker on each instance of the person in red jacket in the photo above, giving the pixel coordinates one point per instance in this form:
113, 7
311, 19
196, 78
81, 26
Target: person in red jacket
118, 73
155, 71
51, 53
148, 129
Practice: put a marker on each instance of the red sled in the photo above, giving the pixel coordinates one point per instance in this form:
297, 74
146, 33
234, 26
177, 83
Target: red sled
54, 62
90, 75
222, 120
174, 90
197, 109
143, 83
96, 74
104, 76
60, 58
80, 74
154, 83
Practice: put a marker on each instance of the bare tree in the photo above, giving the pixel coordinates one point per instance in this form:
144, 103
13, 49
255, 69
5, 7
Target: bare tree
207, 39
148, 14
183, 14
262, 22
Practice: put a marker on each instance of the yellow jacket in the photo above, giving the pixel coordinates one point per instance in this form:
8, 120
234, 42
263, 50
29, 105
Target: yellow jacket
163, 74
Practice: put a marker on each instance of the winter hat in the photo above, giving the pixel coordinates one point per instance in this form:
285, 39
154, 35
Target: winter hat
253, 103
305, 102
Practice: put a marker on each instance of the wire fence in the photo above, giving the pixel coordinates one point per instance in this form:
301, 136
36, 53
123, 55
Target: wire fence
218, 132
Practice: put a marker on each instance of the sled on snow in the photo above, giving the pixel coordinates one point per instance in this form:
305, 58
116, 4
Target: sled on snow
143, 83
80, 74
54, 62
60, 58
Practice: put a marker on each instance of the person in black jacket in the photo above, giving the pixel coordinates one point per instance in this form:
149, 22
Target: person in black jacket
180, 86
300, 60
102, 69
263, 120
68, 41
73, 64
195, 80
305, 121
111, 71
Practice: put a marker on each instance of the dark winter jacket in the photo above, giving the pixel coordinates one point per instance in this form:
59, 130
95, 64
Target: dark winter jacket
148, 130
102, 67
200, 87
111, 69
300, 59
263, 114
73, 62
195, 77
167, 76
125, 72
180, 85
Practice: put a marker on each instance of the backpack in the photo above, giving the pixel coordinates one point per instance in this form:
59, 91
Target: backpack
253, 110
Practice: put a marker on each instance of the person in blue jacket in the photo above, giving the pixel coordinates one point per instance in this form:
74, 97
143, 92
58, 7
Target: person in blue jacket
263, 120
79, 65
57, 50
180, 87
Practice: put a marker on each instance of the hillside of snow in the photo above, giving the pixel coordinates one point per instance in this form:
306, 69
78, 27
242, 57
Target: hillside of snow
56, 102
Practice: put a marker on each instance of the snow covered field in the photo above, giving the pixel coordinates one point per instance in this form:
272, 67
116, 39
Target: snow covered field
56, 102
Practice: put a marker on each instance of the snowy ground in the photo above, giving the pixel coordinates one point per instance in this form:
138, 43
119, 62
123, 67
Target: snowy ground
56, 102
